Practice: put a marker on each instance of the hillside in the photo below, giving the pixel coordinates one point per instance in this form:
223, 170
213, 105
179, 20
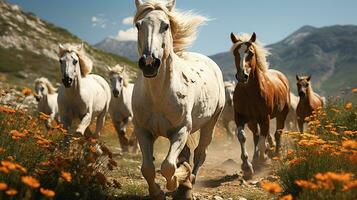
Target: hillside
29, 46
327, 53
126, 49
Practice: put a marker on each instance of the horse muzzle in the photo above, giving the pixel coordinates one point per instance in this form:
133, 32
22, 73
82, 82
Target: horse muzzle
149, 65
301, 94
67, 81
243, 78
116, 93
38, 98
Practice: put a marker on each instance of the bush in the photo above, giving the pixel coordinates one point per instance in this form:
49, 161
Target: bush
35, 163
322, 164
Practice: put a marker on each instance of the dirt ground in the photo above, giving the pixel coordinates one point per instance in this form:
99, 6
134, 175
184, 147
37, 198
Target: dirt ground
219, 177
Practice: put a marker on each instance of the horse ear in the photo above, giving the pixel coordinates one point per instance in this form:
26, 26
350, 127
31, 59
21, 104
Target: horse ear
308, 78
234, 38
297, 78
171, 5
61, 47
80, 47
138, 3
108, 68
253, 38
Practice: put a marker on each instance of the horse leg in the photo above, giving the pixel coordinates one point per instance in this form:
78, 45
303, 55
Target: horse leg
301, 125
246, 165
121, 135
67, 122
100, 123
184, 190
146, 142
85, 122
254, 128
168, 167
280, 122
264, 133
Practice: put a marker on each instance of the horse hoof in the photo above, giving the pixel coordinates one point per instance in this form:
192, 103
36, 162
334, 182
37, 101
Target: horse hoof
247, 171
173, 184
183, 193
157, 193
160, 196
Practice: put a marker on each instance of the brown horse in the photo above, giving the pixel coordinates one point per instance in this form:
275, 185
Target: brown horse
309, 100
260, 95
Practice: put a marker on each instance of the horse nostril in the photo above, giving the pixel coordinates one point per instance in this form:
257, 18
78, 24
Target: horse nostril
246, 76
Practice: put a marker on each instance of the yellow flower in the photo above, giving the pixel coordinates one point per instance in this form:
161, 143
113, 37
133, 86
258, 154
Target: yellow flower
271, 187
30, 181
47, 192
348, 106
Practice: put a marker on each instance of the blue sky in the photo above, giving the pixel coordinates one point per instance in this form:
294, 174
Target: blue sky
93, 20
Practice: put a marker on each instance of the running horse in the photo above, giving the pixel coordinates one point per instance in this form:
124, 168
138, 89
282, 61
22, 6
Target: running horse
177, 94
260, 95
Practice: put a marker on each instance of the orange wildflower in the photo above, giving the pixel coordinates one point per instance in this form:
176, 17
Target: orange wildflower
9, 165
93, 149
66, 176
354, 90
339, 177
4, 170
3, 186
271, 187
11, 192
275, 158
30, 181
16, 135
348, 106
286, 197
8, 110
44, 116
296, 161
47, 192
349, 144
306, 184
349, 185
26, 91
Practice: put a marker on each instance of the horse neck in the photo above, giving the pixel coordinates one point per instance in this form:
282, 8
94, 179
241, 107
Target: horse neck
256, 79
309, 95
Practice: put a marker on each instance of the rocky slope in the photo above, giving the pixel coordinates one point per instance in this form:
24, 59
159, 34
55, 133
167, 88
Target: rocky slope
126, 49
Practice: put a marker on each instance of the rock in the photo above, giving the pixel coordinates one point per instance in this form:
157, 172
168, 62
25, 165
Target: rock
241, 198
217, 197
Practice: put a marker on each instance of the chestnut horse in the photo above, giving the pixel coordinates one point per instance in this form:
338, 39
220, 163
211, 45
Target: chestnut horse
309, 100
260, 95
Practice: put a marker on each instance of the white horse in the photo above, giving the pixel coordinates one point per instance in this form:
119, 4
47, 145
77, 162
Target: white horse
120, 105
46, 96
228, 112
291, 123
82, 95
176, 94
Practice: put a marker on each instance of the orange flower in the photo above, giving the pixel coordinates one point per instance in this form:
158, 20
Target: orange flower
66, 176
286, 197
44, 116
2, 150
276, 158
30, 181
348, 106
47, 192
9, 165
4, 170
349, 144
3, 186
8, 110
349, 185
296, 161
16, 135
306, 184
11, 192
271, 187
354, 90
339, 177
26, 91
93, 149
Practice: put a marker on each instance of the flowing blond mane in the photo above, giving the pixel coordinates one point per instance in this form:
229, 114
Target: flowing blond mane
85, 63
260, 51
118, 69
183, 24
51, 89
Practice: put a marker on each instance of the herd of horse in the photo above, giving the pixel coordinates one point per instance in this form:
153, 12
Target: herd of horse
176, 94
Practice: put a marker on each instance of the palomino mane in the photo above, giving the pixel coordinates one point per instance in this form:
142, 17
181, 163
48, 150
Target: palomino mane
260, 51
85, 63
51, 89
183, 24
117, 69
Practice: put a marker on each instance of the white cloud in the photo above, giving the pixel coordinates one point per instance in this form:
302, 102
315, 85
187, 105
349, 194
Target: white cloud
99, 21
127, 35
128, 20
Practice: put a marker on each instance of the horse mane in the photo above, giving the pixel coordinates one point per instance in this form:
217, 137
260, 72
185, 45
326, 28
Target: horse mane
85, 63
51, 89
261, 52
183, 24
117, 69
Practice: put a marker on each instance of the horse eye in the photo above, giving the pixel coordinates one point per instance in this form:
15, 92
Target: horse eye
75, 62
60, 61
165, 27
42, 89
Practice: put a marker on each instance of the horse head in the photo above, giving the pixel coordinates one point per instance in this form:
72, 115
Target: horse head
303, 84
154, 36
117, 79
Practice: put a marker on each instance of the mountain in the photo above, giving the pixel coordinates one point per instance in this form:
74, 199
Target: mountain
327, 53
126, 49
29, 47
